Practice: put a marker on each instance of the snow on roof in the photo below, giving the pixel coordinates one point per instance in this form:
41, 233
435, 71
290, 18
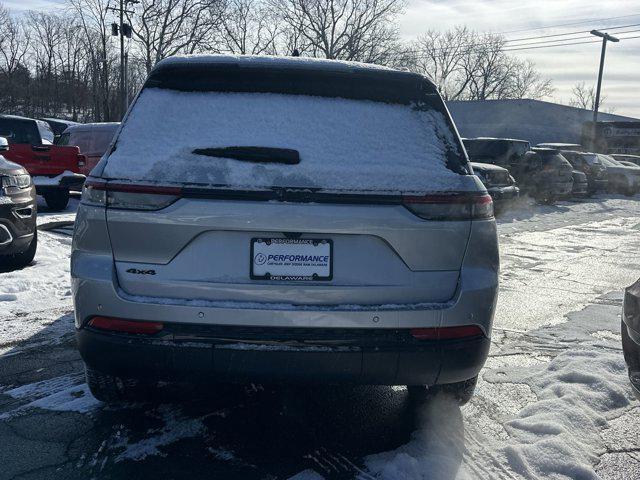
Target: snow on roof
93, 126
343, 144
306, 63
487, 166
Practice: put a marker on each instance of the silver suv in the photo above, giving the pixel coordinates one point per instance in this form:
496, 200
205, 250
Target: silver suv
284, 219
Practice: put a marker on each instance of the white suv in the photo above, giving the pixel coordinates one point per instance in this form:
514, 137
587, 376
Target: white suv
284, 219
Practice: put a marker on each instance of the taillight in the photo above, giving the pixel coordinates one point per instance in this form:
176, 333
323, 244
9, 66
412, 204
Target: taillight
128, 195
447, 333
125, 326
82, 160
458, 206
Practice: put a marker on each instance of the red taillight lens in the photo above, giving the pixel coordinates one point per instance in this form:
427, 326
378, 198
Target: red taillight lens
450, 207
126, 326
446, 333
129, 195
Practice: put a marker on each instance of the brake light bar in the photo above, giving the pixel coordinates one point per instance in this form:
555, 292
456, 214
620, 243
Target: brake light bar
455, 206
129, 196
447, 333
126, 326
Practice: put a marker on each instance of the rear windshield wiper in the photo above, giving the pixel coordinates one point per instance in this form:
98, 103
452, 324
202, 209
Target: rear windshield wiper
253, 154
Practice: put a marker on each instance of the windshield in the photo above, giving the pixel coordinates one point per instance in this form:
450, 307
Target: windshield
343, 144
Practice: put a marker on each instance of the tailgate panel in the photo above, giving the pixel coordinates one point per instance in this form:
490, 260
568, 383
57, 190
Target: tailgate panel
382, 254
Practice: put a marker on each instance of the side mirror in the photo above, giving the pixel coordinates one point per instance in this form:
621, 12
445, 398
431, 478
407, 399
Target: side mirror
4, 144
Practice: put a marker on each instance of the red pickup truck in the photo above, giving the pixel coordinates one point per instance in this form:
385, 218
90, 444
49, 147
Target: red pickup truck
54, 169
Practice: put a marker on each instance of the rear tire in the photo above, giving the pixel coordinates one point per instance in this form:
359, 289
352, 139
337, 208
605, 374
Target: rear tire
630, 349
111, 389
56, 199
21, 259
462, 392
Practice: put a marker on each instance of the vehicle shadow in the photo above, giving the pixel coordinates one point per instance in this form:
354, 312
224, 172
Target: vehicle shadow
217, 431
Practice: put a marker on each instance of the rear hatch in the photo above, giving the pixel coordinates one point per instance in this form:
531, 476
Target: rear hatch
278, 189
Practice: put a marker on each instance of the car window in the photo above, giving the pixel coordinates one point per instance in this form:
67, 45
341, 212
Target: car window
20, 131
342, 143
101, 140
46, 134
81, 139
63, 139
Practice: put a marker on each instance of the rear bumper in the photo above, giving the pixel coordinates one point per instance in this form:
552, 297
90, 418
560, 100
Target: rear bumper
580, 189
224, 354
598, 184
502, 194
65, 180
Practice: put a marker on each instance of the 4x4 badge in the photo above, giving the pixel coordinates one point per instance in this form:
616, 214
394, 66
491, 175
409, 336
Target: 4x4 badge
141, 272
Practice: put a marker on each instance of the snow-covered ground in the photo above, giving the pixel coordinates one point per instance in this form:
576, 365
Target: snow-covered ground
552, 402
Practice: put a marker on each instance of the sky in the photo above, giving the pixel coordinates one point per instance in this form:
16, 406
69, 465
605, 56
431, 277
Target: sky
565, 65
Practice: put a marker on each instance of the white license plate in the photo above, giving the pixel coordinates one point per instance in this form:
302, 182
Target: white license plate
291, 259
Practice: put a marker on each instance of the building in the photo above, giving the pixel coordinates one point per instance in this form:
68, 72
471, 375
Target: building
532, 120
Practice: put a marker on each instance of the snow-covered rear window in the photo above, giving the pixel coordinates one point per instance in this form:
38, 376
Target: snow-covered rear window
343, 144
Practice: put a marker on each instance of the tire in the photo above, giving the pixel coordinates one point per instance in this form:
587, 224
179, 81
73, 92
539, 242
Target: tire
57, 199
629, 192
462, 392
21, 259
110, 389
630, 349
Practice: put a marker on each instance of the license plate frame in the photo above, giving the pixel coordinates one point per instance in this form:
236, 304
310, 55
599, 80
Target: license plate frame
289, 277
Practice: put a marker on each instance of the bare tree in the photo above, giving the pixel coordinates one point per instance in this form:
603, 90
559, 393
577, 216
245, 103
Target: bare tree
363, 30
167, 27
93, 17
442, 56
467, 65
248, 27
526, 82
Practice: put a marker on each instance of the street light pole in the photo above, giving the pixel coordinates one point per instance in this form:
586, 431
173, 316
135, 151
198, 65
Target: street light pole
605, 37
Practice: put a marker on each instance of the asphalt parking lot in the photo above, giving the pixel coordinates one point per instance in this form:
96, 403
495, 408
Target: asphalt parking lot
553, 399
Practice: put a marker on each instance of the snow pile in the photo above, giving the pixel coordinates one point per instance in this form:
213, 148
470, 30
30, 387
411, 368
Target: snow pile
435, 451
44, 285
343, 144
559, 435
64, 394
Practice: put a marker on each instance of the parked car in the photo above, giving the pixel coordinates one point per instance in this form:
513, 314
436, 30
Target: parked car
635, 159
18, 235
311, 220
498, 182
590, 165
562, 146
92, 139
53, 169
544, 174
58, 125
628, 164
631, 334
622, 179
504, 152
580, 184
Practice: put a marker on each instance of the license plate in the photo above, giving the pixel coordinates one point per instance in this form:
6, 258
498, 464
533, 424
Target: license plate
291, 259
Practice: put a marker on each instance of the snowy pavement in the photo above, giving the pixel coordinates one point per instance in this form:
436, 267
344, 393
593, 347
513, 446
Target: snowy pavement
553, 400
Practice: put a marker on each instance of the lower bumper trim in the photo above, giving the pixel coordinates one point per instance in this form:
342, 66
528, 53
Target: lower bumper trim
165, 358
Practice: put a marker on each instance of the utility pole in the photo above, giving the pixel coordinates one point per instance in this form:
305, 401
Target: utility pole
605, 38
123, 30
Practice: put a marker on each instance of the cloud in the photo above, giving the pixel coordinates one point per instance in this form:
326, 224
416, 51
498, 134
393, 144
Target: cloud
565, 65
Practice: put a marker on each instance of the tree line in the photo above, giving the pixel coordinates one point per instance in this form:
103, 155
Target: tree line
66, 63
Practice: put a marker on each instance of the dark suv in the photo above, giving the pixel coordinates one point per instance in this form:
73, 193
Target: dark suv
591, 166
544, 174
504, 152
18, 239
